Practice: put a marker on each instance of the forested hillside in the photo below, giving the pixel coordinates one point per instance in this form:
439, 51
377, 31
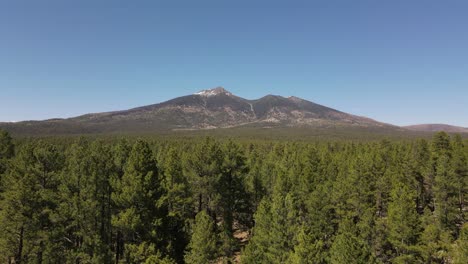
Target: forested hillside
193, 200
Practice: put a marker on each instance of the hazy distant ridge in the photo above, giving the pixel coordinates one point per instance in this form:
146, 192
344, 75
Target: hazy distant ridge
437, 127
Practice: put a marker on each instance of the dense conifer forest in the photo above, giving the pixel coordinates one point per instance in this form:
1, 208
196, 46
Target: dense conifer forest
219, 200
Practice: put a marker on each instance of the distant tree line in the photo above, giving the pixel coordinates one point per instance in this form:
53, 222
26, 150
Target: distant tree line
185, 201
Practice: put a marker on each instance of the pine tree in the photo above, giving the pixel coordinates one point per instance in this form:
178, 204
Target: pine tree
348, 247
446, 196
28, 203
254, 179
308, 249
435, 241
202, 247
403, 222
177, 186
138, 195
317, 225
101, 171
202, 165
6, 151
84, 209
258, 247
460, 247
420, 158
460, 169
274, 232
75, 200
180, 205
120, 153
234, 200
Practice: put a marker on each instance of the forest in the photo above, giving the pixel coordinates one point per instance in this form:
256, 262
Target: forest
226, 200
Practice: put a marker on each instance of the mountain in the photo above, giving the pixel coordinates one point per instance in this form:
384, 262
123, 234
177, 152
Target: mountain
437, 127
207, 109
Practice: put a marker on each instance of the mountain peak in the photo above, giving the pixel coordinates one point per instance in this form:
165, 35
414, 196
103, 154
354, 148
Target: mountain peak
214, 91
211, 108
295, 99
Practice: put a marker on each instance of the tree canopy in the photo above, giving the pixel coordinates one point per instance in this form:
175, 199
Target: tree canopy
211, 200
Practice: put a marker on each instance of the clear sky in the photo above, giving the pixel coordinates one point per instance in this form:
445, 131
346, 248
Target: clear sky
401, 62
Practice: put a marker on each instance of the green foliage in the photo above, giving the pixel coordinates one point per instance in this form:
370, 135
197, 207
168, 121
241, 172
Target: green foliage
138, 195
28, 203
203, 167
177, 186
460, 247
234, 200
349, 248
158, 200
443, 181
308, 249
202, 247
6, 150
274, 231
435, 241
403, 220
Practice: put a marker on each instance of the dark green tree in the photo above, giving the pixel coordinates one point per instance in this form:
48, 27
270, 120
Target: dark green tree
84, 212
459, 251
180, 203
6, 151
142, 211
460, 170
202, 166
234, 202
120, 153
273, 237
28, 203
202, 247
348, 247
435, 241
403, 222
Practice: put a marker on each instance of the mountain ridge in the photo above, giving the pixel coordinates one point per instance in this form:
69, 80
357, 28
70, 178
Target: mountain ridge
437, 127
206, 109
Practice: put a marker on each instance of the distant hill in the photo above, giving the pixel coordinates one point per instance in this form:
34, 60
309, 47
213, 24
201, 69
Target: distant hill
437, 127
207, 109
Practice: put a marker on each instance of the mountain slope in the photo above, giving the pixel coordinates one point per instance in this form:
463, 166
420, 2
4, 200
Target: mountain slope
437, 127
215, 108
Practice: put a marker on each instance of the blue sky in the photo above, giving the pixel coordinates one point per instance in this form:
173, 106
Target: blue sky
401, 62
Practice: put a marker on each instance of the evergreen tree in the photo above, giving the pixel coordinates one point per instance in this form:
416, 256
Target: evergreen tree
313, 240
308, 249
460, 247
6, 151
177, 186
120, 153
27, 204
435, 241
274, 232
84, 211
254, 179
142, 212
348, 247
403, 222
234, 200
446, 196
202, 247
460, 169
420, 158
202, 165
180, 205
